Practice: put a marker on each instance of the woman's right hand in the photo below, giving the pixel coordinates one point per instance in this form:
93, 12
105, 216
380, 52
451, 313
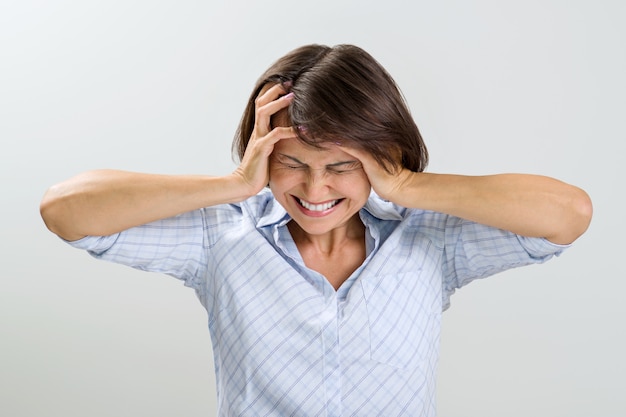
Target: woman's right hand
253, 171
103, 202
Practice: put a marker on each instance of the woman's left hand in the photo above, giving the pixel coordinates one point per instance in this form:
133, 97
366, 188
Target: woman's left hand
387, 184
528, 205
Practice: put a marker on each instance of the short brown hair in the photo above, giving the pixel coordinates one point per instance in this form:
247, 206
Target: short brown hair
342, 95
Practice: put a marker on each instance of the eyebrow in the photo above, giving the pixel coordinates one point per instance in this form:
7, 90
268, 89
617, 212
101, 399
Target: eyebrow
333, 165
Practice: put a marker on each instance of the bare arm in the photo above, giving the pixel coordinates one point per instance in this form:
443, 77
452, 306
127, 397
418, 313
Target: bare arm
104, 202
528, 205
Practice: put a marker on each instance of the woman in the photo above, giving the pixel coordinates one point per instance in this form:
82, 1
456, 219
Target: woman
323, 298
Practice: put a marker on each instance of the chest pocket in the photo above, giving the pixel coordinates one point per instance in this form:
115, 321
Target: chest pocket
404, 312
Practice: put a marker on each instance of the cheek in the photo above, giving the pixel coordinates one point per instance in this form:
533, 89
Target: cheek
366, 187
283, 178
354, 184
361, 178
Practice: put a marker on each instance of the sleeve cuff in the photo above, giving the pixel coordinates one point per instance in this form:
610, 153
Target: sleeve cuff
94, 244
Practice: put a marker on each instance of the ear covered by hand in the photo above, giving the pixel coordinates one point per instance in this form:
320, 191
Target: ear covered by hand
388, 181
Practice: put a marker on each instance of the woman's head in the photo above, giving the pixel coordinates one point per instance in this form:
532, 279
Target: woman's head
342, 95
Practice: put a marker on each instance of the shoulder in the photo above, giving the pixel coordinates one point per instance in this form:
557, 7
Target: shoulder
407, 224
257, 210
412, 218
257, 205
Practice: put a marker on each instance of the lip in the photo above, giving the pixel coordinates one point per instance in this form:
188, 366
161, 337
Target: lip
312, 213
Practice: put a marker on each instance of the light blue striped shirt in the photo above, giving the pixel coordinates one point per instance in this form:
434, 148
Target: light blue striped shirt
285, 342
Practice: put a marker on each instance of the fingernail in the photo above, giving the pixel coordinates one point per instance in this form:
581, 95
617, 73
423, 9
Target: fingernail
287, 85
288, 96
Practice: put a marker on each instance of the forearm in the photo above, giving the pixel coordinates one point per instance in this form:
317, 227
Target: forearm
528, 205
106, 201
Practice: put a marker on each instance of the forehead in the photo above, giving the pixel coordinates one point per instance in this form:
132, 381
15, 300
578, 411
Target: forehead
328, 154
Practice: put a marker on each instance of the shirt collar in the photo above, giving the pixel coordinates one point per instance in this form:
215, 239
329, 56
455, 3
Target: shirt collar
273, 213
383, 209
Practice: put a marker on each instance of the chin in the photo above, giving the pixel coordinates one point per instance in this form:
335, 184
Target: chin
316, 226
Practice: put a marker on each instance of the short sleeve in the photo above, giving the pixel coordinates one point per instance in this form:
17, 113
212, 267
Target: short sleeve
175, 246
473, 251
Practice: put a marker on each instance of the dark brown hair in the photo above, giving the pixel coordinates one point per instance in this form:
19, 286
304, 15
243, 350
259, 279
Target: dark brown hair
342, 95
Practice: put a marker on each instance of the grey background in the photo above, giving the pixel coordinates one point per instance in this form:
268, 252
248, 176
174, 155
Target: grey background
159, 86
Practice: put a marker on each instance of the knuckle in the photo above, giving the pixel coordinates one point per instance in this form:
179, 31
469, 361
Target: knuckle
262, 111
269, 135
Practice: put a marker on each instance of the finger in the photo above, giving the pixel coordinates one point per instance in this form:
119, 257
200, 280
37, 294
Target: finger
365, 157
277, 134
371, 163
264, 112
269, 93
274, 106
258, 151
264, 146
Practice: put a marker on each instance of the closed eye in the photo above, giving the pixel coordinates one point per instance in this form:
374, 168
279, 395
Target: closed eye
291, 166
344, 168
288, 162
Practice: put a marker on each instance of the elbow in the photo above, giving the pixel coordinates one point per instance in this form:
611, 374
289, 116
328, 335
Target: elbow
54, 212
580, 211
584, 211
49, 208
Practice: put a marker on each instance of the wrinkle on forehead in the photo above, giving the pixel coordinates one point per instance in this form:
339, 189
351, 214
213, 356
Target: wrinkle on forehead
312, 156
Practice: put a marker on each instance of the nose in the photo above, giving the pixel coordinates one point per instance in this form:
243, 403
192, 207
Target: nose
316, 185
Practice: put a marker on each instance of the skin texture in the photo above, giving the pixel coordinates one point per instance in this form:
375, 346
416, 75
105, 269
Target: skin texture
331, 176
331, 240
105, 201
529, 205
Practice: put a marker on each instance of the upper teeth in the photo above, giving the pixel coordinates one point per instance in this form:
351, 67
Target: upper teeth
317, 207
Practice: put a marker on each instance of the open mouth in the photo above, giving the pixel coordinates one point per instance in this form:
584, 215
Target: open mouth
318, 207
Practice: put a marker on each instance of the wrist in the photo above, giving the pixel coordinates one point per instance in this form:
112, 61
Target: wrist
403, 188
238, 189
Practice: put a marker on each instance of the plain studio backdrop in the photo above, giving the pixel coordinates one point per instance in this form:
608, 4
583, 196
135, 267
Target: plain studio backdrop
159, 86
